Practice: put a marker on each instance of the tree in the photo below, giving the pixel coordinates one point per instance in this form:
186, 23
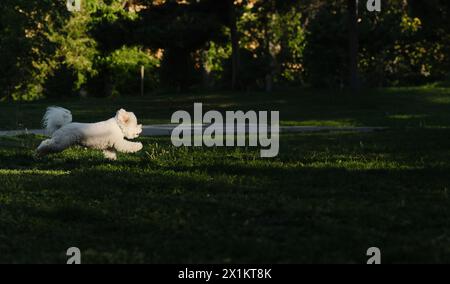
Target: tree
272, 43
352, 10
179, 29
26, 51
234, 44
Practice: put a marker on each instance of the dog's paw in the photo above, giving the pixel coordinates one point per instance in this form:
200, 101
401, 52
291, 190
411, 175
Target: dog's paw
110, 155
139, 146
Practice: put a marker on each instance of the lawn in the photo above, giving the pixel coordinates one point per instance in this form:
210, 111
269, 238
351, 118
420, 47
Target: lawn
394, 107
327, 197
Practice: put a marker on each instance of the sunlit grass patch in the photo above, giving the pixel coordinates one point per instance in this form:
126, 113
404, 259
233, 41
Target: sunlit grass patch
33, 172
407, 116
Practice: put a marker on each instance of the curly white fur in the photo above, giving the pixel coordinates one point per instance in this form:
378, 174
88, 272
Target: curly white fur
108, 136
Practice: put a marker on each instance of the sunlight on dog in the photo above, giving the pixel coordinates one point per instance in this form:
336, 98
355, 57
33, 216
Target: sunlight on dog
110, 136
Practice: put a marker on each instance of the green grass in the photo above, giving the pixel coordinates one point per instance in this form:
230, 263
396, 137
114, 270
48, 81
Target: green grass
327, 197
395, 107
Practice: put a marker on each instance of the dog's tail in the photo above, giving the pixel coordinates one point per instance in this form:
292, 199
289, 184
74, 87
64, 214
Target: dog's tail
55, 118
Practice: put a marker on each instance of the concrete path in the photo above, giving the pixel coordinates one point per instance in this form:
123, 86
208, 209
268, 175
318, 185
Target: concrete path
166, 129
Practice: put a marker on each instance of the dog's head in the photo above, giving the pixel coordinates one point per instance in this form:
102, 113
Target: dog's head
128, 124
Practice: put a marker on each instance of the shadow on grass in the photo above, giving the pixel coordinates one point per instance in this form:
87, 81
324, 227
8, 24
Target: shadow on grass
154, 215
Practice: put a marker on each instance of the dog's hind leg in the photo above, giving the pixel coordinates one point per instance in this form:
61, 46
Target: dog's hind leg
110, 154
44, 148
50, 146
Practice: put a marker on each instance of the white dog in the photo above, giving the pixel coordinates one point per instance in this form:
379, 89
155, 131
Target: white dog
108, 136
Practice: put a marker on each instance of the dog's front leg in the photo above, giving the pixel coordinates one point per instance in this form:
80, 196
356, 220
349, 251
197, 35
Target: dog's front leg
110, 154
125, 146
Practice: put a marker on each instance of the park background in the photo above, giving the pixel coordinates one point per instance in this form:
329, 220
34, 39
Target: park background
328, 196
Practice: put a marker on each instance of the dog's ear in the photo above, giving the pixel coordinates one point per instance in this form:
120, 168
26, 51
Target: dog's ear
123, 116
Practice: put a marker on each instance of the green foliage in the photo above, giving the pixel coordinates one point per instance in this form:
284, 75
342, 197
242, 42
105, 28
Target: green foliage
125, 66
395, 50
293, 41
57, 55
48, 52
396, 47
181, 30
25, 49
274, 39
216, 57
75, 54
326, 48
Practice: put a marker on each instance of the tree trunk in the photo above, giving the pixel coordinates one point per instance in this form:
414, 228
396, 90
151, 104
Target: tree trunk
234, 45
353, 44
